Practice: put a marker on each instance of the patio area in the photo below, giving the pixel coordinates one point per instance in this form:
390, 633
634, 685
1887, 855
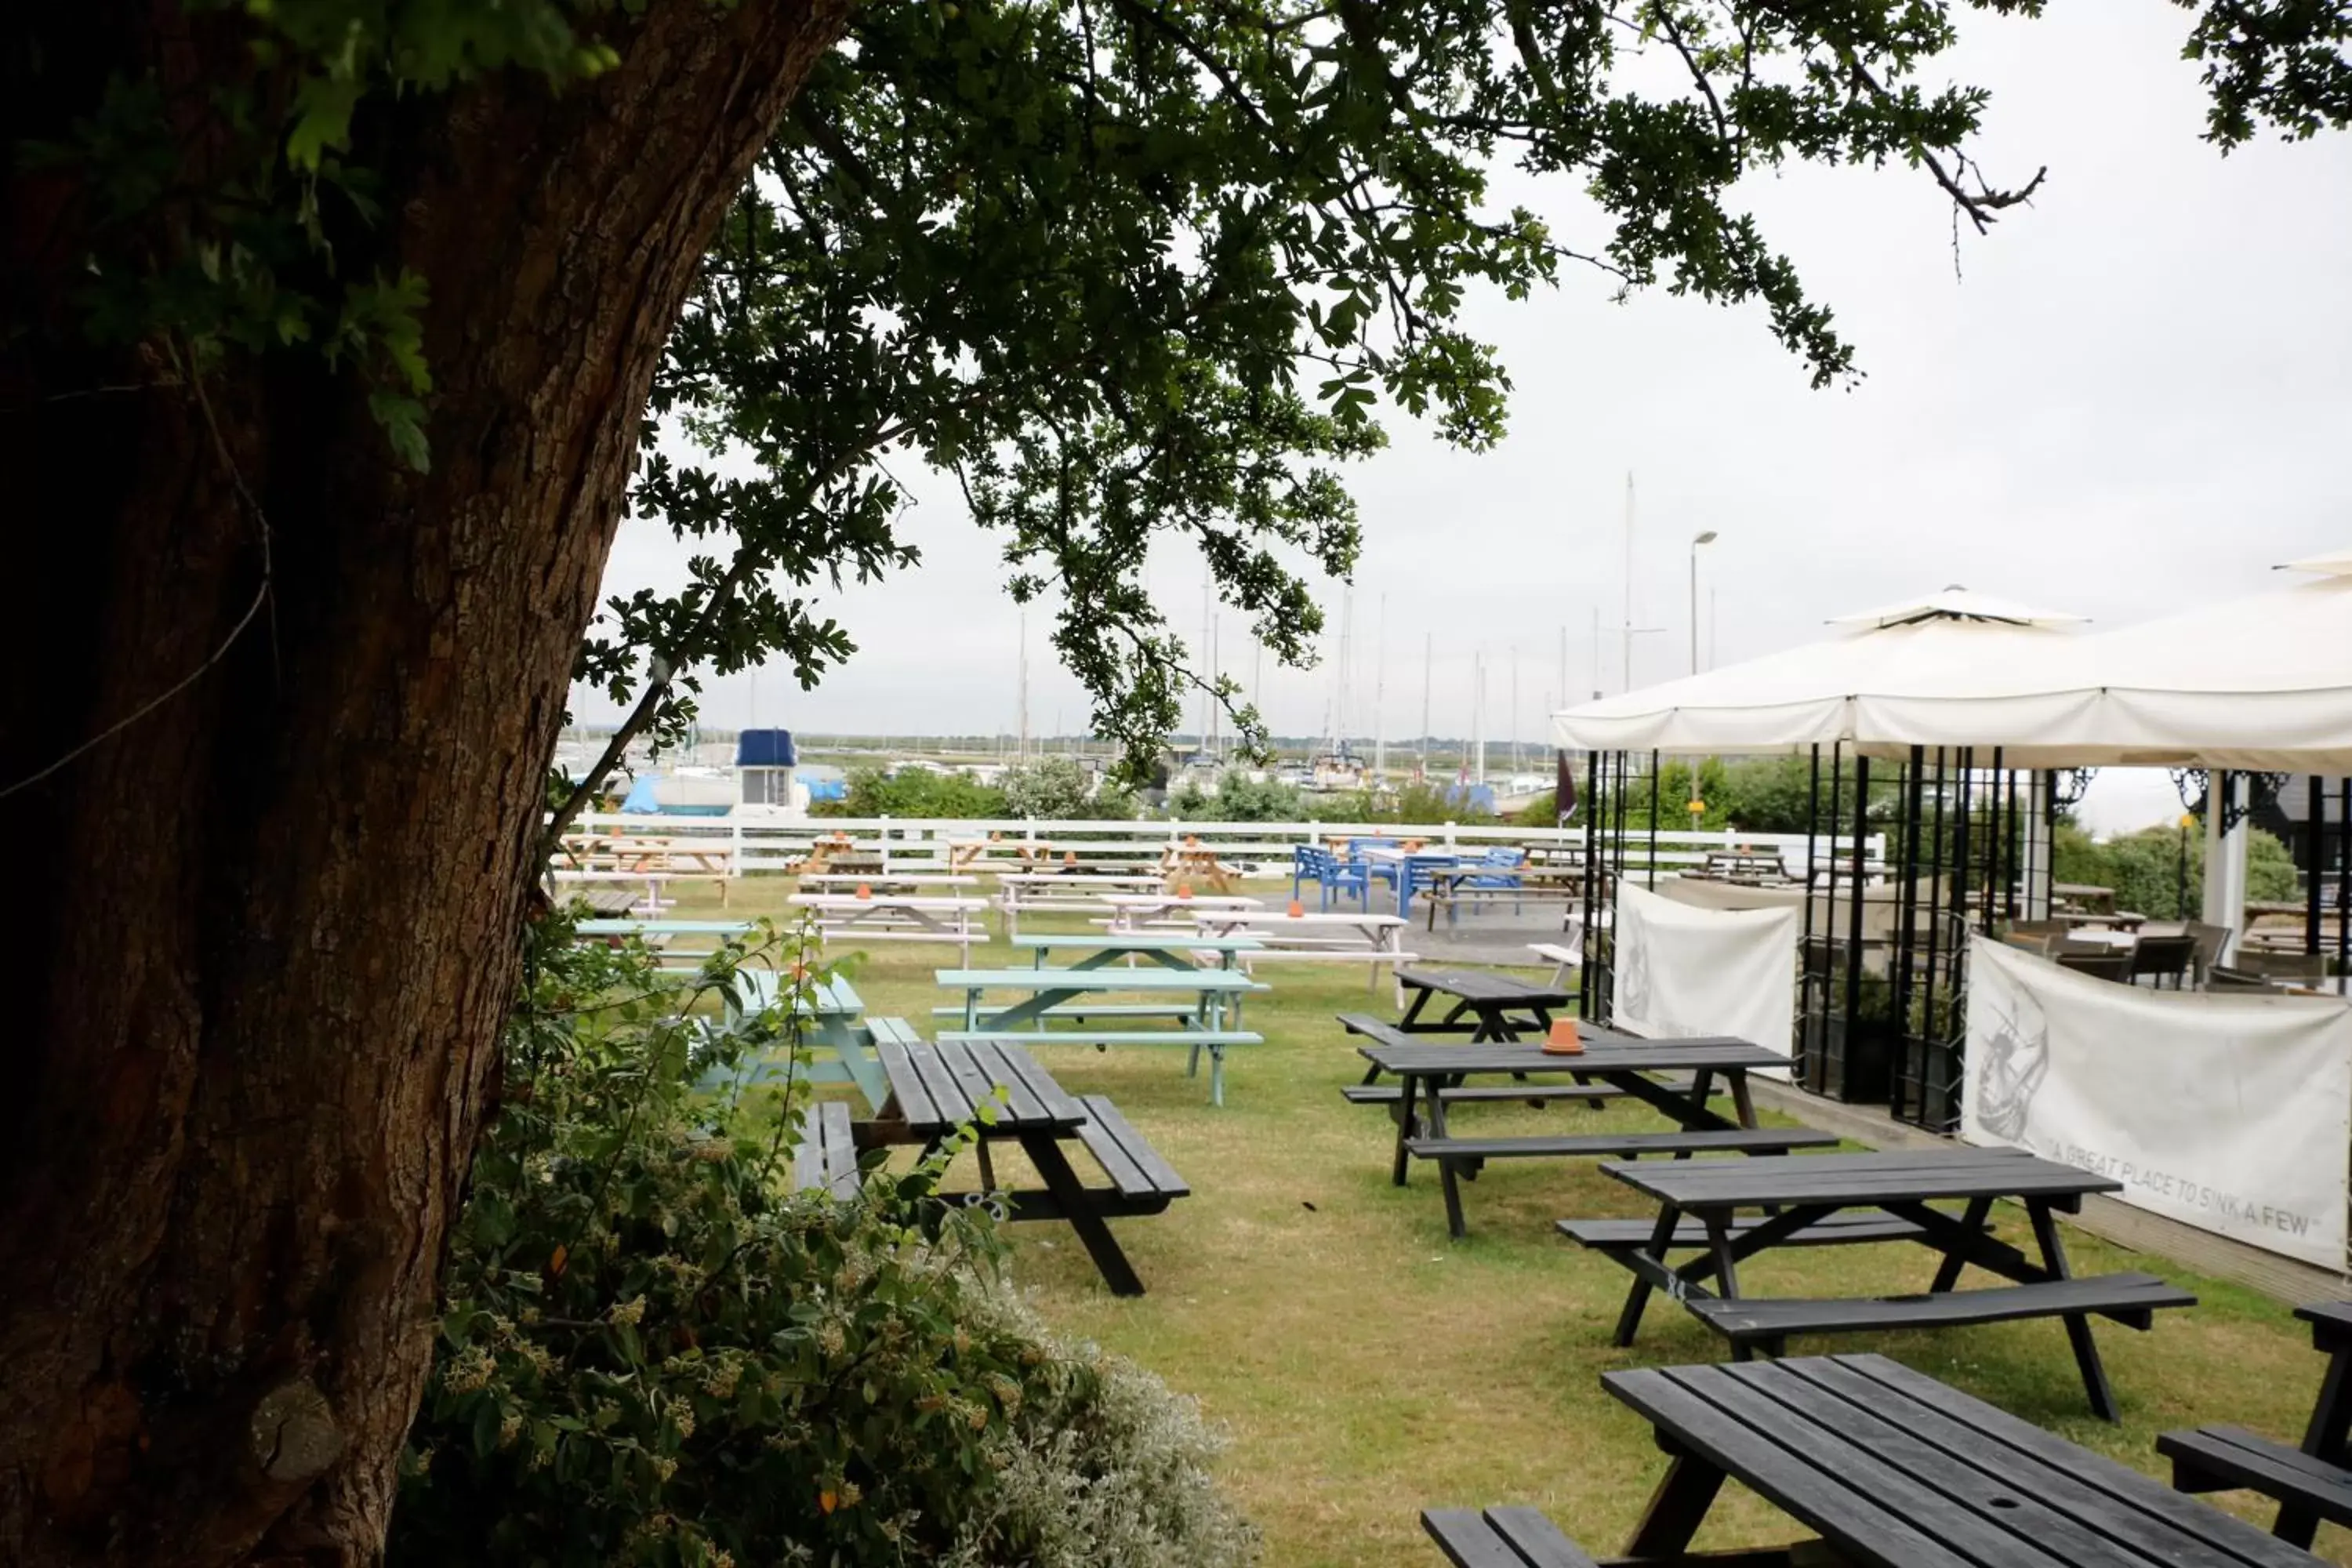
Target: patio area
1366, 1366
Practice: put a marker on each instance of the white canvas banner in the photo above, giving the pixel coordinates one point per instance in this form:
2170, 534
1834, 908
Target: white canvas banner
2230, 1112
1684, 971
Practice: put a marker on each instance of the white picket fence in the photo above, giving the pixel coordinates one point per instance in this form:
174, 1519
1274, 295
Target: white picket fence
912, 845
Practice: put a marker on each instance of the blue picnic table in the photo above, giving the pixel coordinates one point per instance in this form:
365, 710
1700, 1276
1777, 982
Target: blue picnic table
1065, 997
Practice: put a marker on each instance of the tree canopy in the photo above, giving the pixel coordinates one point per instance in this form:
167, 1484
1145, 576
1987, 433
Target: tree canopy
1138, 268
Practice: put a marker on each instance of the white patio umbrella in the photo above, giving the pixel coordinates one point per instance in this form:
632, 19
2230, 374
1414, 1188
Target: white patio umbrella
1806, 696
2262, 682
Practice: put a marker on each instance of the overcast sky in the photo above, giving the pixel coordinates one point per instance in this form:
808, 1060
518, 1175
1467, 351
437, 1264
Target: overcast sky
2137, 394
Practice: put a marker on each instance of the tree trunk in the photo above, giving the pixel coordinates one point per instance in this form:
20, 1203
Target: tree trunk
266, 932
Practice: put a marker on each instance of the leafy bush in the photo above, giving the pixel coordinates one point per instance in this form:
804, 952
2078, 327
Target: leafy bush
651, 1352
1054, 787
916, 792
2145, 867
1239, 798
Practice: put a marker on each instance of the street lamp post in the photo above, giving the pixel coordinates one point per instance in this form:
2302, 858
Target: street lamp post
1704, 539
1697, 803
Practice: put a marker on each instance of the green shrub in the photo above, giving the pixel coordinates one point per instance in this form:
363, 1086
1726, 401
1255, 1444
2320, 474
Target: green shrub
1241, 798
1058, 787
651, 1352
914, 791
2145, 867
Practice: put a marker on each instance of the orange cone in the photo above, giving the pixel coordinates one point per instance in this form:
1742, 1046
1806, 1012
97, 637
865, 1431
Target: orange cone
1297, 909
1562, 1040
864, 892
1183, 889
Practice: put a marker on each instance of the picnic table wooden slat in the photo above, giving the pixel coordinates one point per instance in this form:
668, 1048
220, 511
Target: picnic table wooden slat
1883, 1380
1809, 1495
952, 1106
1096, 980
1055, 1103
1944, 1509
2076, 1484
1021, 1102
1838, 1179
1521, 1055
972, 1080
907, 1087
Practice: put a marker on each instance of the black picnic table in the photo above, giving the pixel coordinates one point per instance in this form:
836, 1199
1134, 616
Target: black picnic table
1500, 1005
2311, 1482
1806, 1199
937, 1086
1889, 1469
1621, 1062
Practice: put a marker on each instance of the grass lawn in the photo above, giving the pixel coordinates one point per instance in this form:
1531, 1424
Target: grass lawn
1366, 1366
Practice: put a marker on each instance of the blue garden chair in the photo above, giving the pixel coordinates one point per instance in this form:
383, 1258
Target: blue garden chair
1417, 873
1506, 863
1344, 877
1308, 862
1374, 870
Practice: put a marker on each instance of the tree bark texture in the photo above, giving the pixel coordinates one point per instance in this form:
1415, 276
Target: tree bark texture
264, 936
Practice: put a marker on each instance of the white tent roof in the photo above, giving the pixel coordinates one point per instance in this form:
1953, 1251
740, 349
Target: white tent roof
2260, 682
1805, 697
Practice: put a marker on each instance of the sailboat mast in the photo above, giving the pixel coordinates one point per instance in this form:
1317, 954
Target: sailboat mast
1379, 696
1628, 629
1428, 648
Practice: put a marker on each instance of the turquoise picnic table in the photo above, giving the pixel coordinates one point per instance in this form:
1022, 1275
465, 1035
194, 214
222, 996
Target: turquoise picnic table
1064, 996
840, 1042
1169, 950
663, 934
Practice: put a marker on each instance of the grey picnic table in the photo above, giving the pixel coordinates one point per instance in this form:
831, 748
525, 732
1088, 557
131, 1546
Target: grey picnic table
1622, 1063
1498, 1006
1887, 1467
937, 1086
1805, 1198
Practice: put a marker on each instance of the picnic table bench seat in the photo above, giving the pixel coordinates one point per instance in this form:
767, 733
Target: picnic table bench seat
827, 1159
1835, 1230
2226, 1458
1751, 1323
2310, 1483
1100, 1010
1137, 1173
1102, 1037
1502, 1537
1482, 1093
1633, 1146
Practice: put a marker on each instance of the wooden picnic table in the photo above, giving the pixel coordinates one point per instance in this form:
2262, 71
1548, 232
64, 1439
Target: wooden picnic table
937, 1086
1331, 934
1450, 887
1180, 864
1889, 1469
1130, 911
1062, 996
1806, 1200
1621, 1064
2311, 1482
894, 917
1501, 1005
1063, 893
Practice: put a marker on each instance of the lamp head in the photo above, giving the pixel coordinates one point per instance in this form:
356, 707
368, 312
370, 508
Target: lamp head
1706, 538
